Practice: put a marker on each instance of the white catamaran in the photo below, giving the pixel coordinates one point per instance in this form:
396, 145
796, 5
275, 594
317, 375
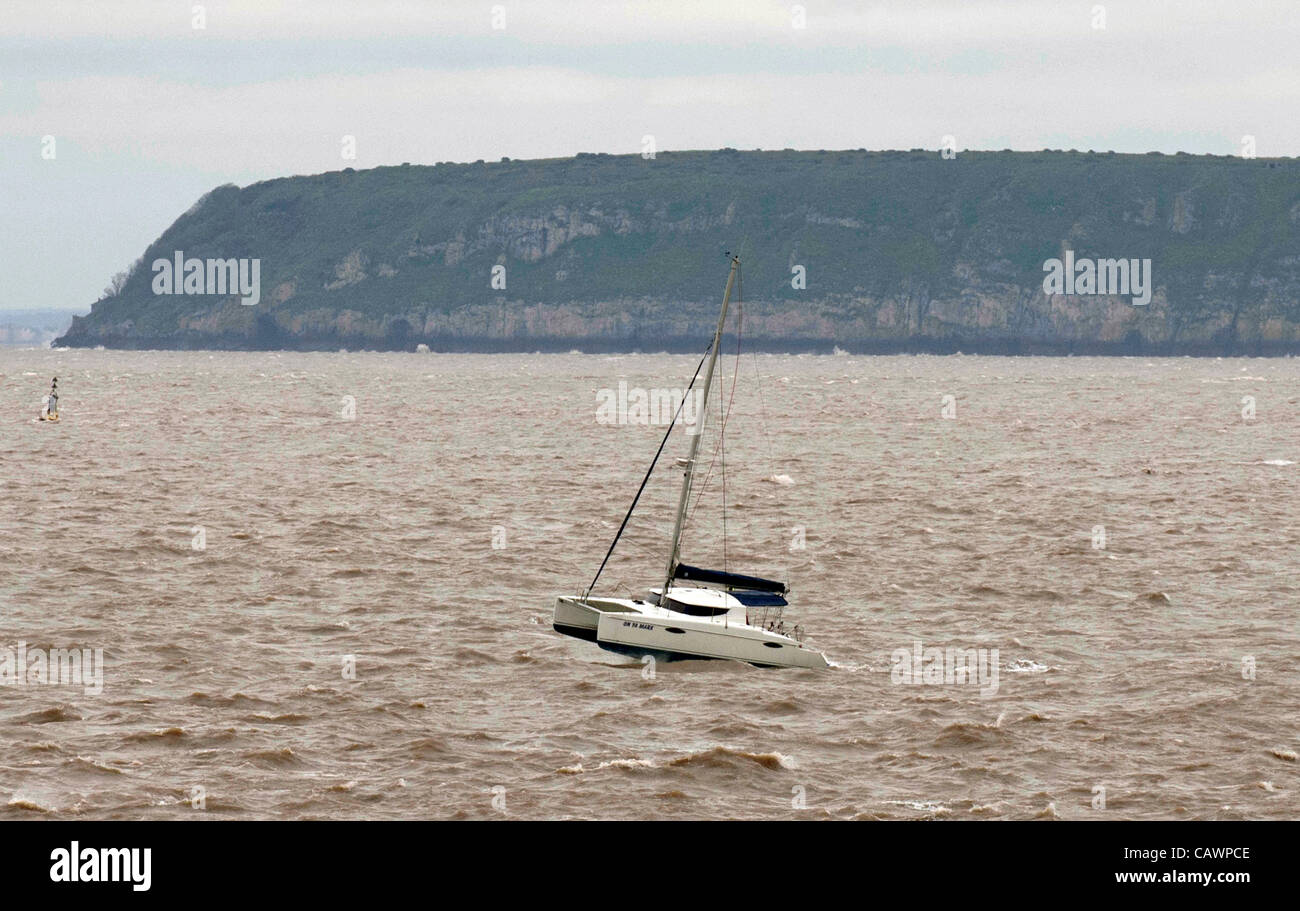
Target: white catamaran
695, 613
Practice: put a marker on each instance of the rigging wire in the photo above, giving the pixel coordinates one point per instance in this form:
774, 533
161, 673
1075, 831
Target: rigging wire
780, 502
764, 423
719, 453
767, 437
731, 400
722, 461
648, 472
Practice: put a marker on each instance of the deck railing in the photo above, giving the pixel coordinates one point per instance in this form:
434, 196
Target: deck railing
772, 619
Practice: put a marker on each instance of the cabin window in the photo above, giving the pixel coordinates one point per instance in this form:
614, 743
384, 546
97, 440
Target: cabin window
695, 610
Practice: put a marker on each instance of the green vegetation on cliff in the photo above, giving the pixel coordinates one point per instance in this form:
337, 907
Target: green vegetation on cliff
902, 251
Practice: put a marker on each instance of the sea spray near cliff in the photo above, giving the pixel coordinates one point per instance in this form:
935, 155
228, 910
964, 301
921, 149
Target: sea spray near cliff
867, 251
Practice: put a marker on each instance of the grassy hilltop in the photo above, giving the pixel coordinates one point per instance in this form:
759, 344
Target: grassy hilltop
904, 251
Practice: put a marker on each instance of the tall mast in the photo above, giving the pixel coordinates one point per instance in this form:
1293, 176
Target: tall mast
699, 432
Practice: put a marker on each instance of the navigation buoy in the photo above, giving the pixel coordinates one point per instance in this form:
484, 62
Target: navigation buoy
50, 406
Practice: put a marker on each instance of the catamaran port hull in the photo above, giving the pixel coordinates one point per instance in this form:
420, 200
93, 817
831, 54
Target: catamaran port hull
578, 618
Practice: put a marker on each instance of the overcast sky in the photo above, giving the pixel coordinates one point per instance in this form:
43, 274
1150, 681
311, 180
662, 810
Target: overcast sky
148, 112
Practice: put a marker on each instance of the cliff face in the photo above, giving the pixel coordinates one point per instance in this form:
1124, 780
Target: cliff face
901, 251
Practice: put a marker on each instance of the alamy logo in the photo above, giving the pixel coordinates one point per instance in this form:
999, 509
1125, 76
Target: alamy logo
209, 276
1102, 276
75, 864
649, 406
940, 666
25, 666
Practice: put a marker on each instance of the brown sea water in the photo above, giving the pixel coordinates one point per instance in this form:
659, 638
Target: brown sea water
1120, 667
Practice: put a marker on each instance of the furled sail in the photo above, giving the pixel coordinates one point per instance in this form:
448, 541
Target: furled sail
729, 580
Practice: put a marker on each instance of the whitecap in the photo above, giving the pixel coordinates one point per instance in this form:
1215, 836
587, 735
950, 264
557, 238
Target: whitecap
1027, 666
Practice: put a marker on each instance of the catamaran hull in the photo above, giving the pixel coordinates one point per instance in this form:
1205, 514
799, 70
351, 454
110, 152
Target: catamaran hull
682, 639
631, 628
574, 618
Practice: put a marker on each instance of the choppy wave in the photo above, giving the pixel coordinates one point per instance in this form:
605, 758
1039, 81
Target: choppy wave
365, 630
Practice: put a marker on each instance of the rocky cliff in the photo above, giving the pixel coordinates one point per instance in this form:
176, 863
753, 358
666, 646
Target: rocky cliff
867, 251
